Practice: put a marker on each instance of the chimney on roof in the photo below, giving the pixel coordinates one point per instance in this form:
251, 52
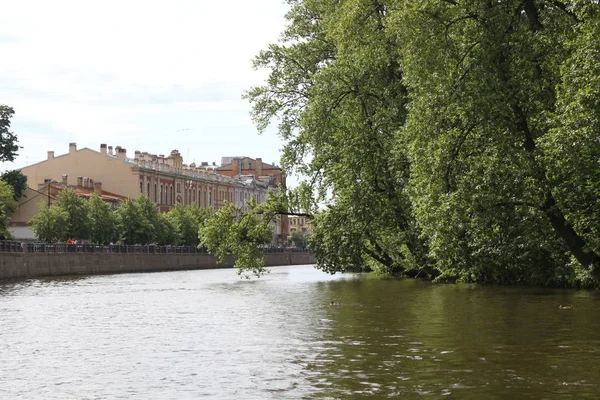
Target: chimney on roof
79, 181
50, 155
65, 179
120, 153
103, 148
86, 181
72, 147
259, 165
110, 150
98, 187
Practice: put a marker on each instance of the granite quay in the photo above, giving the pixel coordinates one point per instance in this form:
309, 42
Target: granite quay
32, 260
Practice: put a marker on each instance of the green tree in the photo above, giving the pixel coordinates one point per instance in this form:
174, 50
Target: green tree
487, 99
8, 140
300, 239
103, 221
77, 211
17, 180
336, 88
140, 222
187, 221
165, 231
50, 223
7, 206
454, 137
231, 232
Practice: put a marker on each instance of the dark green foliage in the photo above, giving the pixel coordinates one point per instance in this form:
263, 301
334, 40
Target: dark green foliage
103, 221
68, 218
134, 222
186, 222
7, 206
299, 239
139, 221
231, 232
457, 138
50, 224
17, 180
8, 140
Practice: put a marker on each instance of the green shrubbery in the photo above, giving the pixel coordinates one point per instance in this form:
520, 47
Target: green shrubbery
132, 222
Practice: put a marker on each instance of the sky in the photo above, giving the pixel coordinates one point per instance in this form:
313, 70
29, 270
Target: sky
144, 75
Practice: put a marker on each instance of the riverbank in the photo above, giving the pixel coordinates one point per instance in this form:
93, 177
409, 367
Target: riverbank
37, 265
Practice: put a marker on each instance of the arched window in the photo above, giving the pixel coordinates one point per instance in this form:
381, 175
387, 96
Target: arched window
155, 190
172, 197
148, 189
161, 193
141, 187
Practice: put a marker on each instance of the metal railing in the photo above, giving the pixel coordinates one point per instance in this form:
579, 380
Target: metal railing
11, 246
123, 249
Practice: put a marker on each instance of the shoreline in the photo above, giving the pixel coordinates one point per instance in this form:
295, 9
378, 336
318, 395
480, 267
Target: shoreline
17, 266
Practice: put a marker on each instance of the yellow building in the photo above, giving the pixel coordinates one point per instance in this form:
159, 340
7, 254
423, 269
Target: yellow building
165, 180
299, 224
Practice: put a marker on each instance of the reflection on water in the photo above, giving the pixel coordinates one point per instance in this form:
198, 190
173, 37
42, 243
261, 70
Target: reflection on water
296, 333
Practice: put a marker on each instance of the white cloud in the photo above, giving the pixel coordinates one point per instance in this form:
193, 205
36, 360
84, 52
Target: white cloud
132, 73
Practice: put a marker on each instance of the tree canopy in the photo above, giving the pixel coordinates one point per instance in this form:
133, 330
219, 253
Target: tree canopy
17, 181
7, 206
458, 139
230, 231
8, 140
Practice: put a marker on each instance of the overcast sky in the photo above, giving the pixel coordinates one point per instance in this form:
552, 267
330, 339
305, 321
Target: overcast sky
145, 75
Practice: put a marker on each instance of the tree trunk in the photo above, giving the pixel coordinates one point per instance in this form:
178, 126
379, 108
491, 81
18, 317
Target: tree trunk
573, 241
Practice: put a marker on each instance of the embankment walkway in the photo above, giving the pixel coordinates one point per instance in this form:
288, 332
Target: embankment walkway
92, 260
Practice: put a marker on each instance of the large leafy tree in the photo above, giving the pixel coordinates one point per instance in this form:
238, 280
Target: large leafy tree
186, 221
139, 220
493, 88
67, 218
103, 221
8, 140
77, 211
336, 87
50, 223
455, 137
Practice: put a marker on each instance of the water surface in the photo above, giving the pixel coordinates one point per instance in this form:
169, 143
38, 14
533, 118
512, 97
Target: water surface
193, 334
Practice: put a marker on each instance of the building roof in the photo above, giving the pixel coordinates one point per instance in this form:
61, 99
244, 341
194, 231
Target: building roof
226, 166
87, 192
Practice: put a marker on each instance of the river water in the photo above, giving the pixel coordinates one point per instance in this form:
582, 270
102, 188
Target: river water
194, 334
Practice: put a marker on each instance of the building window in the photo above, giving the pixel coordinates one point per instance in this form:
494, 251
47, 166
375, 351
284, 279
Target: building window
155, 190
178, 188
161, 193
141, 187
148, 189
172, 196
210, 199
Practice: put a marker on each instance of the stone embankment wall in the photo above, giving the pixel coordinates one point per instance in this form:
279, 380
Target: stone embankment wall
35, 265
